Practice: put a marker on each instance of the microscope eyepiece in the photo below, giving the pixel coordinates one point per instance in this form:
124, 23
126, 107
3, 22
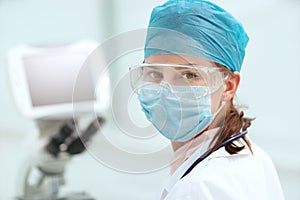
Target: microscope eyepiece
65, 135
78, 145
53, 147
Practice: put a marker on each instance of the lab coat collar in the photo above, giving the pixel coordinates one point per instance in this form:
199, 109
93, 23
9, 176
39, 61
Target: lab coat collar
203, 145
185, 156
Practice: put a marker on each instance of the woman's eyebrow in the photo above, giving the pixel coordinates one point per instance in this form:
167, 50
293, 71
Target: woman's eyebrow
189, 67
153, 68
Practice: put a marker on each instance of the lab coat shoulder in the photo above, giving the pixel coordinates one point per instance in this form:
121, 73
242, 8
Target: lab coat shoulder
225, 176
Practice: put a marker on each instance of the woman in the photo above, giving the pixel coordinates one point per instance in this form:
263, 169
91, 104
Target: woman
193, 55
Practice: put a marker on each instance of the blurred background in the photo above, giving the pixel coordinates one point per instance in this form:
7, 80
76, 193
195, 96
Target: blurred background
269, 86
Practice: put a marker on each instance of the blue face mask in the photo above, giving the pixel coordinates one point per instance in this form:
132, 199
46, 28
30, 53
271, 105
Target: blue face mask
178, 112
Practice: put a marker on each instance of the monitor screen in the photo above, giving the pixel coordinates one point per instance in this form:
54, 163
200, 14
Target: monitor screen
51, 78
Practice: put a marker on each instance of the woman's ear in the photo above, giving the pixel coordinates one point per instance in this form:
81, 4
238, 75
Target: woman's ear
231, 84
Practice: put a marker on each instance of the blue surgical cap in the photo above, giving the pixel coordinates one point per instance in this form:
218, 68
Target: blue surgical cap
196, 28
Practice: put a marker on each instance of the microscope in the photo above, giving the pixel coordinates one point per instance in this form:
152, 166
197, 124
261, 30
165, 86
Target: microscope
45, 174
55, 86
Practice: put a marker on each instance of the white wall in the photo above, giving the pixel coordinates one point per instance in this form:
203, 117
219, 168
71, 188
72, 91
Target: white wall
270, 77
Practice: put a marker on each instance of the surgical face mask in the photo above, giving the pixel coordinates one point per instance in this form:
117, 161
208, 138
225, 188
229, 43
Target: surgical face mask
178, 112
176, 99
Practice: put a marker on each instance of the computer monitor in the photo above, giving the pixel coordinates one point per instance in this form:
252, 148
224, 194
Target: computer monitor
52, 81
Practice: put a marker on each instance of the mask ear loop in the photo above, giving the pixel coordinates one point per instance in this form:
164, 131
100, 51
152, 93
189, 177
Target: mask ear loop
222, 101
226, 77
223, 84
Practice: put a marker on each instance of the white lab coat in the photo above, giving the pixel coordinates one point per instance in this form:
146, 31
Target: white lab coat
226, 177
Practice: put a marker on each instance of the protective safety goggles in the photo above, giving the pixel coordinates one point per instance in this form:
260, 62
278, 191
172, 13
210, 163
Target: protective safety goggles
176, 75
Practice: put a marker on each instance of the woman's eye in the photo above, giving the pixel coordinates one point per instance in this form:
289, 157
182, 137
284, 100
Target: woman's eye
190, 75
154, 76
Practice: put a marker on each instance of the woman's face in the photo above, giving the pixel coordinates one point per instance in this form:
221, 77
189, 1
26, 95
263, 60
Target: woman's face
168, 75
